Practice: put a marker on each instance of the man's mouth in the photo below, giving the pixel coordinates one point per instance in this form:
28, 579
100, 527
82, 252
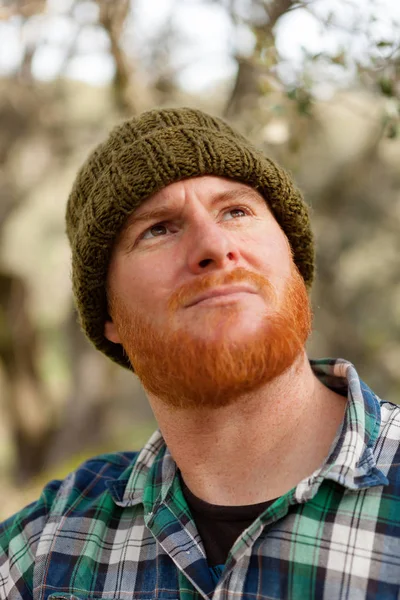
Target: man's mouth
221, 292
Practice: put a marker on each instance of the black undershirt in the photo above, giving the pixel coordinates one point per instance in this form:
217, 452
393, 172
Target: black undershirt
220, 526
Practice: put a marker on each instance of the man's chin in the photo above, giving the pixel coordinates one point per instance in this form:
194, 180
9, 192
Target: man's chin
225, 327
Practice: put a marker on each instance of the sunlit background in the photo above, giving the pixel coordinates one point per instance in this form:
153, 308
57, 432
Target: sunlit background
315, 83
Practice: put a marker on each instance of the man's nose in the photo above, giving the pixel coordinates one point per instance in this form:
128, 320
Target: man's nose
210, 247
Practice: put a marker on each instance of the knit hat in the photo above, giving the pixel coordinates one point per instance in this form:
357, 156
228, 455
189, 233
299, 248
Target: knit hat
140, 157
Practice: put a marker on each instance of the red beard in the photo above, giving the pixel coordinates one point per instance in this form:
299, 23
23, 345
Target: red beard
188, 371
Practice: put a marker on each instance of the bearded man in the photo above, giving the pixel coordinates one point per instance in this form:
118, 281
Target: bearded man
271, 476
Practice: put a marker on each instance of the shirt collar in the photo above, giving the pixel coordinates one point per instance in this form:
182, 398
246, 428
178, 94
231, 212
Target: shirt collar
350, 463
130, 488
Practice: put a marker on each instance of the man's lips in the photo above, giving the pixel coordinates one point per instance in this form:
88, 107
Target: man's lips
220, 292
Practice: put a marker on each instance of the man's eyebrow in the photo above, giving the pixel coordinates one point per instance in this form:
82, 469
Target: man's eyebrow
238, 194
160, 213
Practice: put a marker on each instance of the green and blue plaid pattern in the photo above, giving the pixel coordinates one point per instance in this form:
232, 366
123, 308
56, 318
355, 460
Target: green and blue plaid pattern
119, 527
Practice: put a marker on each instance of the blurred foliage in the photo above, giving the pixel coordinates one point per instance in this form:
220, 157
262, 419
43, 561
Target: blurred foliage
331, 117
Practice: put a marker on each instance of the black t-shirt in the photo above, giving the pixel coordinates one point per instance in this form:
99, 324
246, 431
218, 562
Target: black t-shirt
220, 526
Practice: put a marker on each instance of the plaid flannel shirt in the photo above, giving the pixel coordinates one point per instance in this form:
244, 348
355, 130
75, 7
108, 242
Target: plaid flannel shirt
119, 526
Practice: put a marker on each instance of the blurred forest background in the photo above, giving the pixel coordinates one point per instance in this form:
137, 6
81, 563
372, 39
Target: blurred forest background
316, 83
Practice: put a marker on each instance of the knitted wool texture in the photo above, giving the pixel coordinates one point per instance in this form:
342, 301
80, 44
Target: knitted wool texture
142, 156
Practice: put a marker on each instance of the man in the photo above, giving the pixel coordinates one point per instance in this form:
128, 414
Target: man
272, 476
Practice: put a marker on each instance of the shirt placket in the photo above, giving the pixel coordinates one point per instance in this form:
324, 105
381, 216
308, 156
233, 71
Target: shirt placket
233, 579
187, 554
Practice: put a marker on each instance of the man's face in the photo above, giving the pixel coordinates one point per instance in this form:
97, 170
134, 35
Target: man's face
204, 295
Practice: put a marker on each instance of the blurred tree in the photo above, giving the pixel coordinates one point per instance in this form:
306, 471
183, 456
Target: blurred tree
36, 117
30, 411
260, 73
261, 17
23, 122
112, 17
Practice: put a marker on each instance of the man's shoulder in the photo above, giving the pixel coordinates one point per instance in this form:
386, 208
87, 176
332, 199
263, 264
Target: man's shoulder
102, 468
77, 494
83, 485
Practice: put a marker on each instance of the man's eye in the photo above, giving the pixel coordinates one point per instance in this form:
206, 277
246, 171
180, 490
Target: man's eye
155, 231
235, 213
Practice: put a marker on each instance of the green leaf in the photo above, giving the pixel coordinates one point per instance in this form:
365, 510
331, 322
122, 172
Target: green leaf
384, 44
386, 86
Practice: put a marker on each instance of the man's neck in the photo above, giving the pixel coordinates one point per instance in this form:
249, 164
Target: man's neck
260, 446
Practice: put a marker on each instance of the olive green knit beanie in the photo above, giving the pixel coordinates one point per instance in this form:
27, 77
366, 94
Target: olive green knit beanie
142, 156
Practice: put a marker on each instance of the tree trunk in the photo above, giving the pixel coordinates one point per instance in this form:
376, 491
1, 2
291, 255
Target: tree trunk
28, 406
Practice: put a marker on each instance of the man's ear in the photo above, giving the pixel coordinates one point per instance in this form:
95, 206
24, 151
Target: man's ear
111, 333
